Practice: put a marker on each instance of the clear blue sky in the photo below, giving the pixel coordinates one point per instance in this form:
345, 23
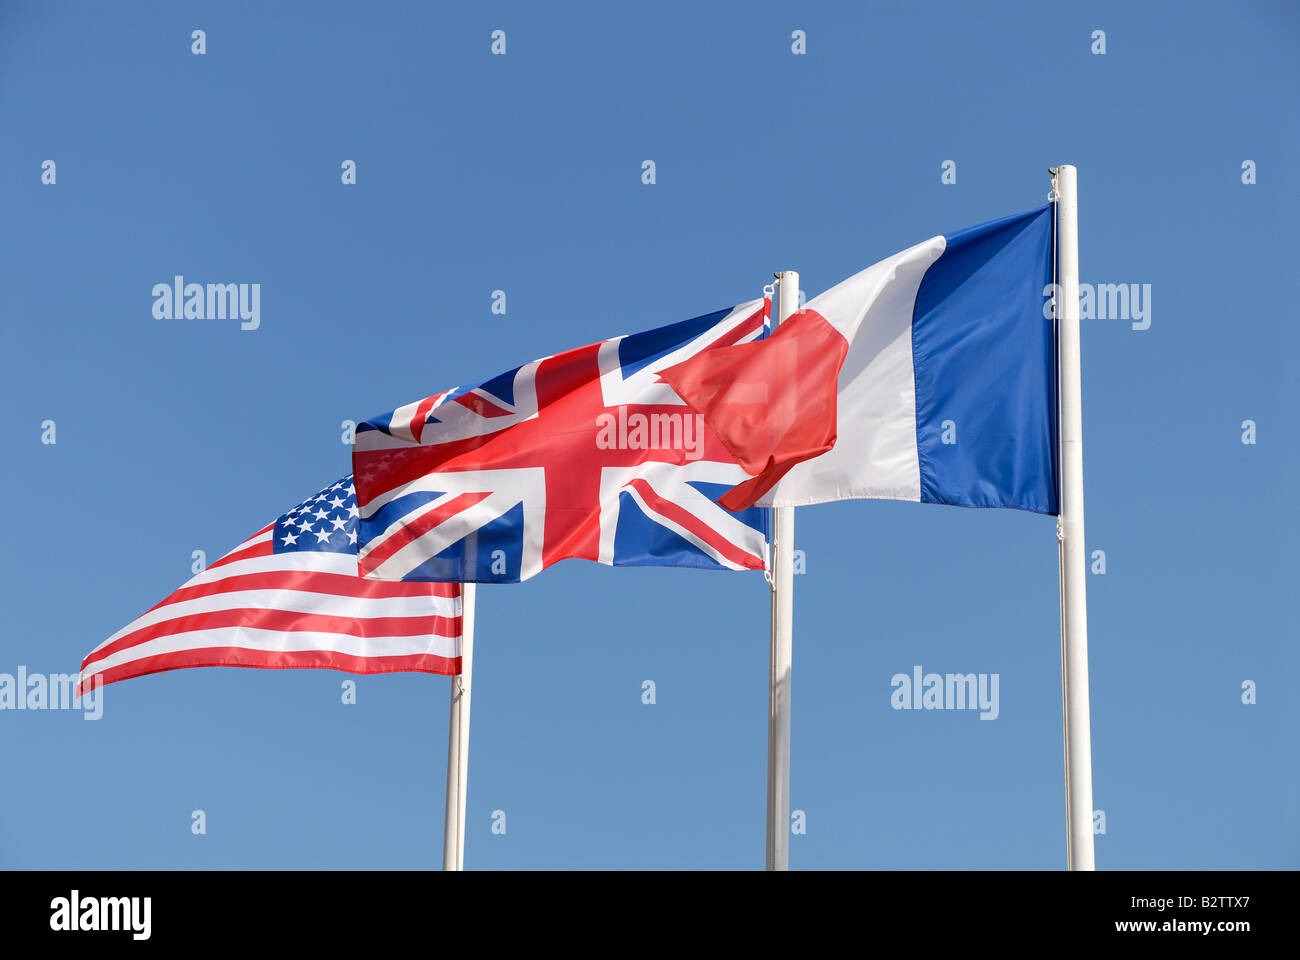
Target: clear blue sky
523, 173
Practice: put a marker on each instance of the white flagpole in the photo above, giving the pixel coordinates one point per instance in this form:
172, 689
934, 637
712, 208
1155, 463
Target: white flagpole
453, 840
1073, 550
778, 704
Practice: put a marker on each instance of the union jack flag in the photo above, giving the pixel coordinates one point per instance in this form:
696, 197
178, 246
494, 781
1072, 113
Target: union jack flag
582, 454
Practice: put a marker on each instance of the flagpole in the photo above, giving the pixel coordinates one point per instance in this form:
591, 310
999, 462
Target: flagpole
1073, 551
778, 704
453, 842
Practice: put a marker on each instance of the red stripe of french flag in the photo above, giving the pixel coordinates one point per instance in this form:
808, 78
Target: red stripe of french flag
771, 402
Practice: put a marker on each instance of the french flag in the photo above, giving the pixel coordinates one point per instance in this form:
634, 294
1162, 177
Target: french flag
929, 376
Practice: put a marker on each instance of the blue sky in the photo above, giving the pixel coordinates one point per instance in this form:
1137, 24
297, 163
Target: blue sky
522, 172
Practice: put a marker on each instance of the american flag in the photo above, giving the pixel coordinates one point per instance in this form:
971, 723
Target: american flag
290, 596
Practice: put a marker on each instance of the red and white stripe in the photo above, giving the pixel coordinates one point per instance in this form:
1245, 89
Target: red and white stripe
308, 609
